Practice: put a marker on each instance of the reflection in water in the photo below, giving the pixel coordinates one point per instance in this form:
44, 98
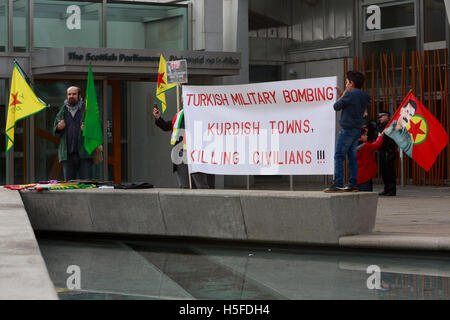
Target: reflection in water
181, 270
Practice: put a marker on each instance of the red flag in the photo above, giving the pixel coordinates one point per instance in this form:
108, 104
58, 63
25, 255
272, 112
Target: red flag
417, 132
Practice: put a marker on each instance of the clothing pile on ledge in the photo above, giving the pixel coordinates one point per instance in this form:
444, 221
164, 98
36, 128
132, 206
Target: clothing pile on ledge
76, 184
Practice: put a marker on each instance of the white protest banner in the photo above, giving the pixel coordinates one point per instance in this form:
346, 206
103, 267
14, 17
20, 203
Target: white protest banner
271, 128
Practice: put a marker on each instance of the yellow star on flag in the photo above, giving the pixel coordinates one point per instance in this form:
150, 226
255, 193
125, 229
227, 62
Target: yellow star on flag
162, 85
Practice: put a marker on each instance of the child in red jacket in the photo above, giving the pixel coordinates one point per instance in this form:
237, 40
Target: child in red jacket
367, 166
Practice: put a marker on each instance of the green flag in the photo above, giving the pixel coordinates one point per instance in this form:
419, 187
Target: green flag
92, 132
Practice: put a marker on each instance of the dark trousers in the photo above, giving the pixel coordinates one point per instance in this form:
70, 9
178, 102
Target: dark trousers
199, 180
387, 169
74, 166
366, 186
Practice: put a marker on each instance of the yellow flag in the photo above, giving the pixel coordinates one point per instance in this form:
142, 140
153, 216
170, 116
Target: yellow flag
162, 85
22, 103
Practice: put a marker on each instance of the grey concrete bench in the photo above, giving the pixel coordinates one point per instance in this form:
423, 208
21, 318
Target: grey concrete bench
267, 216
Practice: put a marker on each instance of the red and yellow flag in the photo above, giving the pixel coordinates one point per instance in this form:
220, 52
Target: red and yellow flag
162, 85
23, 103
417, 132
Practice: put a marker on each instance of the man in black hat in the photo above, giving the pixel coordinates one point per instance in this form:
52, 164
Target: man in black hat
387, 158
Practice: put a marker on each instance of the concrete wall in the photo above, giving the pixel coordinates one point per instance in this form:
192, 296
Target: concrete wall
149, 146
23, 274
207, 29
290, 217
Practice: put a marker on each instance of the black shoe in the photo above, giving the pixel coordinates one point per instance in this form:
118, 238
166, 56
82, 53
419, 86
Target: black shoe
334, 188
382, 193
351, 189
390, 194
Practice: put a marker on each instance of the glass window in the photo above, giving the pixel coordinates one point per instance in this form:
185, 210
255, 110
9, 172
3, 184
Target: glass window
20, 152
393, 15
259, 73
3, 25
78, 24
3, 110
20, 25
396, 46
435, 20
146, 26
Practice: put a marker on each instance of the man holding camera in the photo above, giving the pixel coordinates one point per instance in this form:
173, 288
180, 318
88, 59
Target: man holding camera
199, 179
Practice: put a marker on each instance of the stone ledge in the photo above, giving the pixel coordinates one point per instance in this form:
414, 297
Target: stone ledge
397, 241
268, 216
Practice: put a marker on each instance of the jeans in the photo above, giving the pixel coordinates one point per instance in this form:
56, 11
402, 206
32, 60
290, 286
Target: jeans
347, 144
74, 165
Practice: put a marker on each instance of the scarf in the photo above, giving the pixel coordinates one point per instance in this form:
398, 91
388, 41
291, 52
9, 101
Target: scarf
176, 127
73, 109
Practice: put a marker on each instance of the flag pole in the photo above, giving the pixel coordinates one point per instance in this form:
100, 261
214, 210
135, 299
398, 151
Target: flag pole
178, 97
402, 178
178, 110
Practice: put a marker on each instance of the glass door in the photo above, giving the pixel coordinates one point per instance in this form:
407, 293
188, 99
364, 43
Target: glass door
3, 114
117, 131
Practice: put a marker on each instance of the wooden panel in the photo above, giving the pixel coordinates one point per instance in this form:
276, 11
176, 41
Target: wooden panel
116, 159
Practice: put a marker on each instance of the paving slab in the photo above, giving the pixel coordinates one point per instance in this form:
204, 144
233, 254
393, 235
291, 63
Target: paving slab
23, 273
418, 218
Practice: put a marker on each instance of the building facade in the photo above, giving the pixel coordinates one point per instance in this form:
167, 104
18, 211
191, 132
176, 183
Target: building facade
400, 46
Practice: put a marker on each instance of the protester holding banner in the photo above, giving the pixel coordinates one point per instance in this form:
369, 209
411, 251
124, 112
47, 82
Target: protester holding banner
353, 102
387, 156
68, 126
199, 179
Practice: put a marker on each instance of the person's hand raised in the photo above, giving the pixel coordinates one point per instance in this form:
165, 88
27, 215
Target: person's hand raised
156, 113
338, 91
61, 125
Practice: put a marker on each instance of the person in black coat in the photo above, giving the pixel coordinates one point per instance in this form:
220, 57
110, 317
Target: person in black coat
387, 154
371, 126
199, 179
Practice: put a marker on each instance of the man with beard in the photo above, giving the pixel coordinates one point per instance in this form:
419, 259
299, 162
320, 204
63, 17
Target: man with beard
68, 126
387, 158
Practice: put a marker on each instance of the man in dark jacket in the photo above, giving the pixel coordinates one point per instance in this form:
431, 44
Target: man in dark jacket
353, 102
68, 126
371, 126
387, 156
199, 179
